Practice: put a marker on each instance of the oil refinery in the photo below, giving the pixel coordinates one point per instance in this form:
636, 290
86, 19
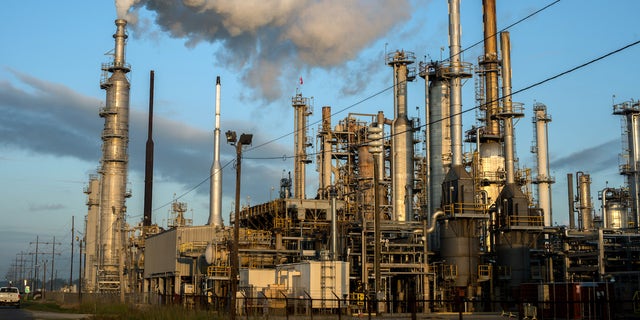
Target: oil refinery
402, 221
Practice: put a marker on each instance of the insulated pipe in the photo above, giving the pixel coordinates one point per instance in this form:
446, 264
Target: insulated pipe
434, 221
334, 225
456, 84
380, 159
633, 179
427, 138
215, 198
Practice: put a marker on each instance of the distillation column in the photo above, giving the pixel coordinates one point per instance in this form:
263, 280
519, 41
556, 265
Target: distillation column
585, 206
490, 168
437, 134
115, 138
540, 148
402, 139
459, 238
302, 110
631, 111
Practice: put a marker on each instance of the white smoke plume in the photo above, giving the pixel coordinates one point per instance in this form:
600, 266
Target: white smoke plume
267, 40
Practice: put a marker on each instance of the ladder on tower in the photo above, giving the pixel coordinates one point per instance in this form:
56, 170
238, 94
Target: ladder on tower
327, 279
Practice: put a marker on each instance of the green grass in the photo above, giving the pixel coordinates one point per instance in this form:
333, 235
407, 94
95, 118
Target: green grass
123, 311
47, 306
113, 312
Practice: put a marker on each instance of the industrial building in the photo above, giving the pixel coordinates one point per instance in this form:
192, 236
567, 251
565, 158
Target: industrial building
401, 215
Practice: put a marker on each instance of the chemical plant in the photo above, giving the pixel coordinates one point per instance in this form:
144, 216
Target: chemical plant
402, 221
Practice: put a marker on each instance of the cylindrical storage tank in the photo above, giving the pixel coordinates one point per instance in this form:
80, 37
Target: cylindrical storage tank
616, 216
460, 246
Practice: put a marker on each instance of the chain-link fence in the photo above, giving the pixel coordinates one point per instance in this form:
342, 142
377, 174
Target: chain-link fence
363, 307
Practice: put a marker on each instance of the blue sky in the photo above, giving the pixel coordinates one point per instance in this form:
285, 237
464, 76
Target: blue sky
49, 92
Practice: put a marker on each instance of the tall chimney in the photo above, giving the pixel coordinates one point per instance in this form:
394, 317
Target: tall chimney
215, 199
490, 63
148, 168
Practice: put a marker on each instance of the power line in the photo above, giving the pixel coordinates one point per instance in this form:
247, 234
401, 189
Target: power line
190, 190
507, 27
610, 53
391, 87
426, 124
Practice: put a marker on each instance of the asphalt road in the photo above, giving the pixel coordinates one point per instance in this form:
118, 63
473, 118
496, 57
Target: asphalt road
10, 313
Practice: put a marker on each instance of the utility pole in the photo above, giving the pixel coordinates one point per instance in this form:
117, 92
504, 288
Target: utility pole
35, 283
53, 254
44, 279
71, 264
53, 260
80, 273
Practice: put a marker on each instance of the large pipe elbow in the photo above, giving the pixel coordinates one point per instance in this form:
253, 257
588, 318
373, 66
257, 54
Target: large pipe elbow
434, 221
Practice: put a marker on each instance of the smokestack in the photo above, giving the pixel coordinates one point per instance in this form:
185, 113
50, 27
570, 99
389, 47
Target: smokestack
215, 199
148, 168
456, 86
115, 139
120, 36
490, 64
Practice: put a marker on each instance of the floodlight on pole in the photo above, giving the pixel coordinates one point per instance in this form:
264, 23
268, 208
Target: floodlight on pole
245, 139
